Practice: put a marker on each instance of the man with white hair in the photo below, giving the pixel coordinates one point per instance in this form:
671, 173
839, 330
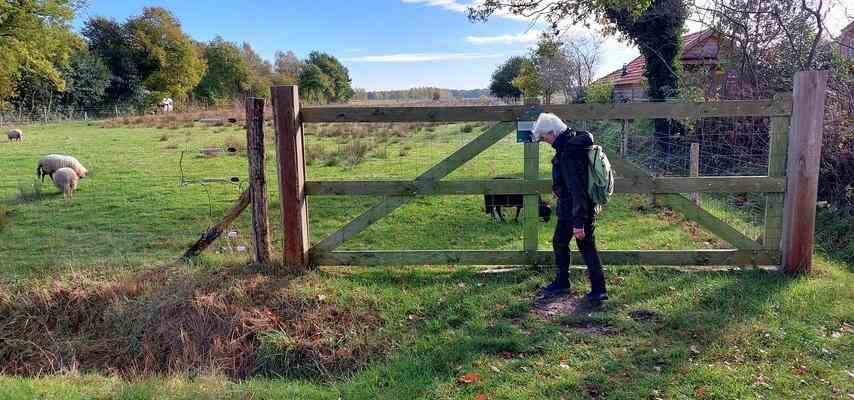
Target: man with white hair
575, 211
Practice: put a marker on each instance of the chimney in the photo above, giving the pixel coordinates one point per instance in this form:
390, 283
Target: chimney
625, 72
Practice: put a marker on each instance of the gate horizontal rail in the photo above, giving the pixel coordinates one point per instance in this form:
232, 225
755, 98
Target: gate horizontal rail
662, 185
761, 257
751, 108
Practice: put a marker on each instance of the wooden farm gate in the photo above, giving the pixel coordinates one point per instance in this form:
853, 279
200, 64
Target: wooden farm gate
795, 134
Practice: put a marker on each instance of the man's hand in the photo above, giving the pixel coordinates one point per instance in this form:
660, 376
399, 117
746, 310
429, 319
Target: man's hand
578, 233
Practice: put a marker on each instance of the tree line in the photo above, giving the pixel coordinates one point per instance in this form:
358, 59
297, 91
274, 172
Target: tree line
420, 93
564, 65
45, 64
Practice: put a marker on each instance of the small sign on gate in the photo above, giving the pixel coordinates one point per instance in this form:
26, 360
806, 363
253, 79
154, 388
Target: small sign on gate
525, 124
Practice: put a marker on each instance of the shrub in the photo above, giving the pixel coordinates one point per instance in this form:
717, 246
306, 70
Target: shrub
355, 152
313, 153
468, 128
599, 93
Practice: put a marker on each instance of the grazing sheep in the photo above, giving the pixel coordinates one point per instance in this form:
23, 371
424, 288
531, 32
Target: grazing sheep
66, 181
51, 163
15, 134
494, 202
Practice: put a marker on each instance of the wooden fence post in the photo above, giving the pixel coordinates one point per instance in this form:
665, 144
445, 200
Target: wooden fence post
258, 179
291, 169
695, 169
802, 168
531, 202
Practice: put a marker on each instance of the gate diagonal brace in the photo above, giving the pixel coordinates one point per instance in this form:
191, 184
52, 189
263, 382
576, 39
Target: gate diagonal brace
434, 174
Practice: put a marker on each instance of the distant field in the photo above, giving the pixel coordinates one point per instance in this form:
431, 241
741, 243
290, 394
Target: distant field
88, 309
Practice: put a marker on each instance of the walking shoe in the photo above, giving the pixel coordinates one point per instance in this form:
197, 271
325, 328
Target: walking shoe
556, 289
596, 297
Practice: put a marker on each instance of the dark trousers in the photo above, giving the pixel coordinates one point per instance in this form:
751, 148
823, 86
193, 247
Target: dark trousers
560, 242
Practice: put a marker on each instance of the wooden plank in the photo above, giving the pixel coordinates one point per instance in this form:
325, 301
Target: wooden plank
566, 111
257, 156
695, 170
804, 154
215, 231
777, 152
488, 257
708, 221
706, 184
530, 202
291, 171
437, 172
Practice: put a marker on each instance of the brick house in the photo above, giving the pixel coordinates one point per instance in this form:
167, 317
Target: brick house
846, 41
700, 53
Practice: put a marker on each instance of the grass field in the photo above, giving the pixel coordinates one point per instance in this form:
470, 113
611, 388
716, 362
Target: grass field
88, 300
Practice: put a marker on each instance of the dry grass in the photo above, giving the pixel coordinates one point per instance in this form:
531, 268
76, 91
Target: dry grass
233, 321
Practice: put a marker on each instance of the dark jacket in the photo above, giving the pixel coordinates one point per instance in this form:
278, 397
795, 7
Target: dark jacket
569, 177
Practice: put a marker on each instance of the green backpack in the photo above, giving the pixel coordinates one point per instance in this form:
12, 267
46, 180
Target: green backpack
600, 185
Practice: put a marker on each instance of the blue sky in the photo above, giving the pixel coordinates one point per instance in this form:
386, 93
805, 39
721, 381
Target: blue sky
386, 44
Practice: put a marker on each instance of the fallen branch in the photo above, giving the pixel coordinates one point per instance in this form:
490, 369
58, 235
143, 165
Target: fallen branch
214, 232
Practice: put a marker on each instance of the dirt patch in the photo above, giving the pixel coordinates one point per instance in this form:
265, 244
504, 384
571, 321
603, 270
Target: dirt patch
642, 315
557, 306
236, 322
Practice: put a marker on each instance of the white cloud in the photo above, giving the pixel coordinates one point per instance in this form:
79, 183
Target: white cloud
421, 57
527, 37
451, 5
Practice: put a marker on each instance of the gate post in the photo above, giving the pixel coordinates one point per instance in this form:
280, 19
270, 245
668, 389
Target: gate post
802, 169
256, 153
531, 202
291, 169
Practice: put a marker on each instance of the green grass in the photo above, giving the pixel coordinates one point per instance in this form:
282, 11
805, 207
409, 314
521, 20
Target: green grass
719, 335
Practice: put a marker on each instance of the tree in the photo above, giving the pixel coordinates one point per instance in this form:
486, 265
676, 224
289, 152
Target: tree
128, 66
175, 63
288, 68
314, 84
340, 89
528, 81
584, 52
35, 38
87, 79
551, 65
655, 26
261, 72
227, 76
502, 80
768, 41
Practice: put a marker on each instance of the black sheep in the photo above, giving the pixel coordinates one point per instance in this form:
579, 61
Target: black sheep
494, 202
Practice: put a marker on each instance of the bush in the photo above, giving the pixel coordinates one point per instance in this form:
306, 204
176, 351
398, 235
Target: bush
468, 128
355, 153
599, 93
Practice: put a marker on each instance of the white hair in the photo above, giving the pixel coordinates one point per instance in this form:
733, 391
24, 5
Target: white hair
546, 123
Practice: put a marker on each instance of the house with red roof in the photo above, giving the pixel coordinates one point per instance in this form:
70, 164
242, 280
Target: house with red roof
846, 41
700, 52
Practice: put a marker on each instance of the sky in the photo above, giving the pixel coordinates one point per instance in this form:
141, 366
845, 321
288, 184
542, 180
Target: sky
385, 44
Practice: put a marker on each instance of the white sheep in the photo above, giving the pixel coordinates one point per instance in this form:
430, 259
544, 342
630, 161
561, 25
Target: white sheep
51, 163
66, 181
15, 134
